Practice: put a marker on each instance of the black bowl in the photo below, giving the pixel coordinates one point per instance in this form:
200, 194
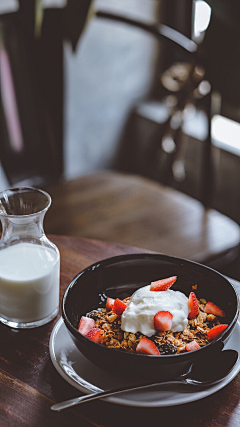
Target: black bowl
119, 277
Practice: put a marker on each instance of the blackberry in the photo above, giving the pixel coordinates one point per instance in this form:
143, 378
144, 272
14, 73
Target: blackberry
167, 349
93, 314
116, 324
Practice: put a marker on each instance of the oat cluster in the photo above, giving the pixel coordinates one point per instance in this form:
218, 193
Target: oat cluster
167, 342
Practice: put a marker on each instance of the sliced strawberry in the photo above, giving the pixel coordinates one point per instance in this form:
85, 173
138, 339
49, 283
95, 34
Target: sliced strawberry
193, 305
163, 285
212, 308
109, 304
94, 334
163, 320
146, 346
119, 307
85, 324
216, 331
193, 345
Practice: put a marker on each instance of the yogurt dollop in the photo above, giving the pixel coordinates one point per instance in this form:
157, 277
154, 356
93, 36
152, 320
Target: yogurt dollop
144, 304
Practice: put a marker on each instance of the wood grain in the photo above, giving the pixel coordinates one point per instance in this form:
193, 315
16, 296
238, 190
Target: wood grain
30, 383
139, 212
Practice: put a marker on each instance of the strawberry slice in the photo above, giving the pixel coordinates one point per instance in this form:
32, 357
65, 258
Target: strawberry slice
109, 304
85, 325
212, 308
193, 345
193, 305
146, 346
94, 334
216, 331
163, 285
119, 307
163, 320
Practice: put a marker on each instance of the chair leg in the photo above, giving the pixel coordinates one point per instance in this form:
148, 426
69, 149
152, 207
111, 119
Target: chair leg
207, 167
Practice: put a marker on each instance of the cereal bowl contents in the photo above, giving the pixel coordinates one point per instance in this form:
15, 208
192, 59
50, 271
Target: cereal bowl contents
173, 322
150, 314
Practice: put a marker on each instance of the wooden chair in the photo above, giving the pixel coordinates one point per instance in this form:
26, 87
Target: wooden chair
130, 209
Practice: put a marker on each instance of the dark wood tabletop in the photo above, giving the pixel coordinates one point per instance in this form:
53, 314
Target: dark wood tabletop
29, 384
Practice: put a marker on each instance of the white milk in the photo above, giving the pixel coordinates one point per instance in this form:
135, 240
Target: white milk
29, 282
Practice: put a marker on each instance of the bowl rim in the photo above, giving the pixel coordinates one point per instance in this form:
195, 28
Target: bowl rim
140, 255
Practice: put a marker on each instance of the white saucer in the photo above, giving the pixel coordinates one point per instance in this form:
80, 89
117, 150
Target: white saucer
87, 378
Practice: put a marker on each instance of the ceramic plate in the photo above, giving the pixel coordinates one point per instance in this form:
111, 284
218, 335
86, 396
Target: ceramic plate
88, 378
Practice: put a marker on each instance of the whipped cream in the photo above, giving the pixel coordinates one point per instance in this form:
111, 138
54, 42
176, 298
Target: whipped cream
144, 304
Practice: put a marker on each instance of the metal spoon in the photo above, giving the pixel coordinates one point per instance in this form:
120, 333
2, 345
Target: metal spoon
204, 373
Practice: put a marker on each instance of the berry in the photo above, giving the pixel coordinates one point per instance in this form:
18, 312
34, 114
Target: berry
109, 304
167, 349
94, 334
146, 346
85, 325
94, 314
163, 320
193, 345
193, 305
216, 331
163, 285
212, 308
119, 307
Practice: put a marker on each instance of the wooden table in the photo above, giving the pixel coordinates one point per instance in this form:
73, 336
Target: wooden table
29, 384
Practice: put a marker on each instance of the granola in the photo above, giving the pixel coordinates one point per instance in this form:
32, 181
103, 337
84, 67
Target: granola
166, 322
168, 342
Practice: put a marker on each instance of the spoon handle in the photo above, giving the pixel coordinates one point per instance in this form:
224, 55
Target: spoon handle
101, 394
228, 359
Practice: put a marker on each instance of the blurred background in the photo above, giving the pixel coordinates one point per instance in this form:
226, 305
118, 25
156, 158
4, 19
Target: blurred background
137, 88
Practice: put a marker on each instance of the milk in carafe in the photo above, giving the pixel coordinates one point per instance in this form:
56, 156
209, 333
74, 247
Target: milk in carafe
29, 282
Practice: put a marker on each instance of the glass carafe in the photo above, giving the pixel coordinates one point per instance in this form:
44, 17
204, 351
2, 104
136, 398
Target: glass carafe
29, 262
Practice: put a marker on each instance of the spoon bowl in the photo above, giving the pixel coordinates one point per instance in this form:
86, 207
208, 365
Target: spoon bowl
203, 373
212, 371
